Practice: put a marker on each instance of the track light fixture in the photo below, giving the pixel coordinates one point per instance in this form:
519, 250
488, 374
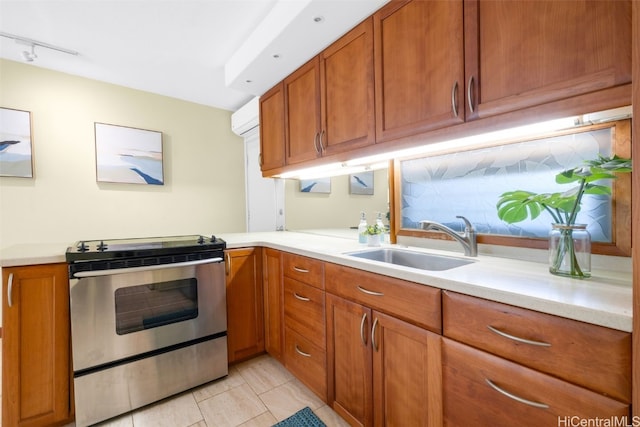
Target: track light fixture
30, 56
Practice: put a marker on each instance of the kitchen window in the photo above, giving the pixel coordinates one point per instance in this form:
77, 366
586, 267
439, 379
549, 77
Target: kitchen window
469, 183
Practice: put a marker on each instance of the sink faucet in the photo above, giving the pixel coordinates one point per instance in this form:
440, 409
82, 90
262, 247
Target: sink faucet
466, 239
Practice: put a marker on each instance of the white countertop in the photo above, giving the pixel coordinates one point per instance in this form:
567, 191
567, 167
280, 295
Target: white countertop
604, 299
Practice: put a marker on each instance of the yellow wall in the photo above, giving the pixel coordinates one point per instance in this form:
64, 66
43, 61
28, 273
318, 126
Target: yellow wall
203, 164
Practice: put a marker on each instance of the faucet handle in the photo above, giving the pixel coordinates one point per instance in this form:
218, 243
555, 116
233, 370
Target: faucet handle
467, 223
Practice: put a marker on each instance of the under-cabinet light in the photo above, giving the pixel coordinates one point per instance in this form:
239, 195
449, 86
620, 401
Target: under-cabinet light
488, 139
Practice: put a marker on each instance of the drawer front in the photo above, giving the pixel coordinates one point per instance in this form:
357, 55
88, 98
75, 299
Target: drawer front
516, 396
415, 303
592, 356
306, 361
306, 270
304, 310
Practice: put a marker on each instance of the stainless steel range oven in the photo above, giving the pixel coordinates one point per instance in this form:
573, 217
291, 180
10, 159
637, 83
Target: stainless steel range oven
148, 320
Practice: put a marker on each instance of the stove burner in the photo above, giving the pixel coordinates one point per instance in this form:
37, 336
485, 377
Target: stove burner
90, 250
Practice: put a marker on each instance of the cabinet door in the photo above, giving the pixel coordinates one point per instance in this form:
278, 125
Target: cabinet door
36, 373
272, 138
349, 362
273, 303
245, 321
525, 53
302, 100
419, 67
348, 111
407, 378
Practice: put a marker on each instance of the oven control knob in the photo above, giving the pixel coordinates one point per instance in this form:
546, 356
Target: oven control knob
201, 240
213, 239
82, 247
102, 246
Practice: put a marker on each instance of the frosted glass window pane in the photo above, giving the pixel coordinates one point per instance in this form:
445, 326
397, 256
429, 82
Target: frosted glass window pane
470, 184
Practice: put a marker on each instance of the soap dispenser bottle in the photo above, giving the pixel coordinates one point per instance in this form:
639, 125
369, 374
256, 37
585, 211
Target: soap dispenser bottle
362, 229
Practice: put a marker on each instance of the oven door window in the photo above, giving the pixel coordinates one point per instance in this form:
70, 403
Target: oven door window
158, 304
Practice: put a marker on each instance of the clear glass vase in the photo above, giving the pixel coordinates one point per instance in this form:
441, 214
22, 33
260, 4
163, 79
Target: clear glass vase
570, 250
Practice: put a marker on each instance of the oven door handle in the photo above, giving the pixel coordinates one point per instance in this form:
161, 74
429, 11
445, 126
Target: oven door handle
82, 274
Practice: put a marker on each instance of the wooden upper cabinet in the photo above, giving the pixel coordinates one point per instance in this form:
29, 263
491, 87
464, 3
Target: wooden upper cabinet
302, 100
347, 91
419, 59
330, 100
272, 135
526, 53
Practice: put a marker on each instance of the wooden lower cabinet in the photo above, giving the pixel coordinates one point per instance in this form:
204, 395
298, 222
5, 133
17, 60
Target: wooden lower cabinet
245, 318
381, 371
481, 389
36, 368
273, 302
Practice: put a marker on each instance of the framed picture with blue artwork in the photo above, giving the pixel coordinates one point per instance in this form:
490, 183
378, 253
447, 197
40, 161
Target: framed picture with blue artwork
128, 155
361, 183
316, 185
16, 158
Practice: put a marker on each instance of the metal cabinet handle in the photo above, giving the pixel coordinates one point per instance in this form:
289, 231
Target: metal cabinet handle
368, 292
228, 263
514, 397
373, 335
322, 147
302, 353
295, 294
316, 137
10, 290
518, 339
300, 270
454, 99
363, 337
469, 94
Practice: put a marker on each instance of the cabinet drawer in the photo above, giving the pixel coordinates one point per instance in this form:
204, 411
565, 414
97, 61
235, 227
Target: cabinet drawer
304, 310
470, 400
306, 361
306, 270
417, 304
592, 356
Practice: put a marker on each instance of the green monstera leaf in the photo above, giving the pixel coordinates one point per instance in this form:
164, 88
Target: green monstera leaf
519, 205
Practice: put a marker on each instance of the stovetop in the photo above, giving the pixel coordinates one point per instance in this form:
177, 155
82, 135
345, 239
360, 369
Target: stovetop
85, 250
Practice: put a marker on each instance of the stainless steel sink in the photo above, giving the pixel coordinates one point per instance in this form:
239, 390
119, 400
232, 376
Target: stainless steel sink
412, 259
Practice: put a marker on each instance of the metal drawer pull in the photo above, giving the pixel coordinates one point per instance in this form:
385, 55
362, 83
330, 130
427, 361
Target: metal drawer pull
469, 99
373, 335
295, 294
368, 292
518, 339
10, 290
516, 398
300, 270
302, 353
454, 99
362, 335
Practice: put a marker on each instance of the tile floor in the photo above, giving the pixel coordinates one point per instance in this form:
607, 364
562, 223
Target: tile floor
256, 393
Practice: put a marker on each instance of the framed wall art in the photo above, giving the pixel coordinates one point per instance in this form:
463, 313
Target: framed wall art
128, 155
317, 185
16, 158
361, 183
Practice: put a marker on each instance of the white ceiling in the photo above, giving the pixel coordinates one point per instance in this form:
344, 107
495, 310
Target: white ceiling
213, 52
